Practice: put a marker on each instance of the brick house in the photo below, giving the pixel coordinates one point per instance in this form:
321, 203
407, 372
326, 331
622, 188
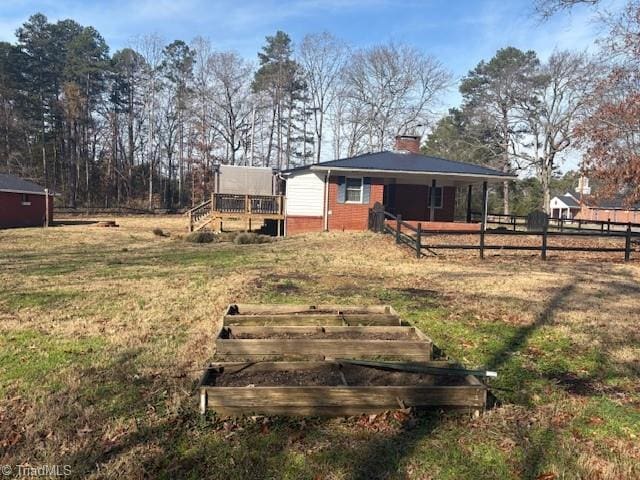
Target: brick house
23, 203
337, 195
613, 209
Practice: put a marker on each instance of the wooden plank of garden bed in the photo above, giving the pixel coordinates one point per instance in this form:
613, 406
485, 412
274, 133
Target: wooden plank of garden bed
313, 319
361, 397
273, 309
316, 411
268, 330
325, 347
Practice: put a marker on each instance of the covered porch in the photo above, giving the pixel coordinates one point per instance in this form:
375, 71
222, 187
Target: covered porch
442, 202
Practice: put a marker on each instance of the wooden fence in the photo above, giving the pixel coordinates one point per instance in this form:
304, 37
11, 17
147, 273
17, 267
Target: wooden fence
562, 224
419, 239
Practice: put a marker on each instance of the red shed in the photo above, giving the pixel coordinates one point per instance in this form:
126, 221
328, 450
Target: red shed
23, 203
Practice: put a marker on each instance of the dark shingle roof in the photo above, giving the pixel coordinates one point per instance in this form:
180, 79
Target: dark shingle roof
406, 162
617, 202
12, 183
569, 201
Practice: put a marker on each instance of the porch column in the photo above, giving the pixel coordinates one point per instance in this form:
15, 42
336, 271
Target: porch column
484, 204
432, 211
469, 203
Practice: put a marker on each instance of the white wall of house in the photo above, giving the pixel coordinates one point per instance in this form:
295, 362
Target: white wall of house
305, 194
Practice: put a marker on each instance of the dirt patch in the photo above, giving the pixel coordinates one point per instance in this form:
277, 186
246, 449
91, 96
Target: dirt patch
309, 378
331, 377
362, 376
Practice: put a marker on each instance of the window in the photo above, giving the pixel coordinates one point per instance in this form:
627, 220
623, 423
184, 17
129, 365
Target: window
25, 199
438, 203
353, 190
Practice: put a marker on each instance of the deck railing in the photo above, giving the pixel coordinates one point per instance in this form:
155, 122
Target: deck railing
247, 204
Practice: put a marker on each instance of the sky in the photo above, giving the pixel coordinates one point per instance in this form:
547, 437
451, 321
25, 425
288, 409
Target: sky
459, 33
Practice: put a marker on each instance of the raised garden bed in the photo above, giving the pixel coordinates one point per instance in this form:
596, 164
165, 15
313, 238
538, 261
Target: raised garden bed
273, 342
331, 388
252, 314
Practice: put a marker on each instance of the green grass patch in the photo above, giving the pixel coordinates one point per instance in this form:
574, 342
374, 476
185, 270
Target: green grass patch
37, 299
29, 357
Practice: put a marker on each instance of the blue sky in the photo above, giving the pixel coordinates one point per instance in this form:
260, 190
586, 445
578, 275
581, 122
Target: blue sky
459, 33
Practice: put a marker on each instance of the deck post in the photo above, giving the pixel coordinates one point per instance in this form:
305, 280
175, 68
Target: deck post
432, 211
398, 226
46, 207
469, 191
627, 244
483, 220
418, 240
279, 227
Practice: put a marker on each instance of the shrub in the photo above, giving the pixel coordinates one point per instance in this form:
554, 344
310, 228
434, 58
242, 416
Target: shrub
251, 238
200, 237
158, 232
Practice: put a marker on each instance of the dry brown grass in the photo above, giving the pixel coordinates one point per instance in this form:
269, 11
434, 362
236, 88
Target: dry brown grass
103, 333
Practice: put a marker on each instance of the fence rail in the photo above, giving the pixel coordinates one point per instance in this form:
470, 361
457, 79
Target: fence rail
418, 239
562, 224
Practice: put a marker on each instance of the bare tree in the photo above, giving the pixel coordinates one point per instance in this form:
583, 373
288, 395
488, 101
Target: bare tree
559, 104
151, 48
231, 77
323, 58
394, 87
548, 8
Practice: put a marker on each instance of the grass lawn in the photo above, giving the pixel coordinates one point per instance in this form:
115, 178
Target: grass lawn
103, 334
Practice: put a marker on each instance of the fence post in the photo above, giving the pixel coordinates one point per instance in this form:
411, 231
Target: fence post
418, 240
513, 221
608, 225
561, 224
398, 225
543, 252
627, 244
247, 204
190, 221
482, 229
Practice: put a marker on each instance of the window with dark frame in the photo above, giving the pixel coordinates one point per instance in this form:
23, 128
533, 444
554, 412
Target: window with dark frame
353, 190
25, 199
438, 203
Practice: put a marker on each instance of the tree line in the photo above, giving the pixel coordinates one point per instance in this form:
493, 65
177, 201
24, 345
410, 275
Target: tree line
145, 126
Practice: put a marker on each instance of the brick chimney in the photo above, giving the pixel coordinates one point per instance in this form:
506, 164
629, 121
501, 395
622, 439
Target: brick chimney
408, 143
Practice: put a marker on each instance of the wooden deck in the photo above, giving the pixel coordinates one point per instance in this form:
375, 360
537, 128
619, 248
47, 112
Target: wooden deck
250, 209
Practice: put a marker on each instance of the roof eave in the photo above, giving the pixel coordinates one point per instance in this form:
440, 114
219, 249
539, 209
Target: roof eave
8, 190
324, 168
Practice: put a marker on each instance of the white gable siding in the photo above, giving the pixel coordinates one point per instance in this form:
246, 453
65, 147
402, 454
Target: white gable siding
305, 194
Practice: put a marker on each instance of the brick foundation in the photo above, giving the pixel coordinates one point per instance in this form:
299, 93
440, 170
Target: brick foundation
296, 224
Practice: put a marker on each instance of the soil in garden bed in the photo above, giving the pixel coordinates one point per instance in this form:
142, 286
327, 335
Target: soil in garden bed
301, 378
318, 335
355, 376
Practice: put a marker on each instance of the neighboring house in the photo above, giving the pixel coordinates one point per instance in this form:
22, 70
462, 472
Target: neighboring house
566, 206
23, 203
337, 195
613, 209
